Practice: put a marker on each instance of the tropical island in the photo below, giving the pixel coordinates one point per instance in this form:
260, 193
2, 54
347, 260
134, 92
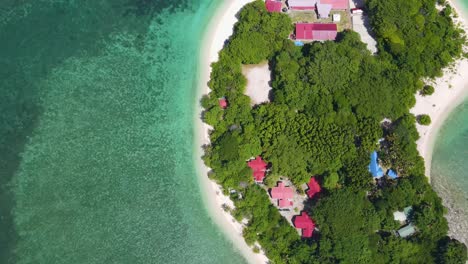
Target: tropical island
325, 168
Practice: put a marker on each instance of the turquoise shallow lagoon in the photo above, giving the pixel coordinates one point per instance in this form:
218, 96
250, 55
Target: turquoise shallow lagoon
464, 4
449, 168
449, 171
96, 133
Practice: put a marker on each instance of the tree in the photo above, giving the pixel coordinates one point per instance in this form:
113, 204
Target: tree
452, 251
410, 32
331, 180
424, 120
346, 220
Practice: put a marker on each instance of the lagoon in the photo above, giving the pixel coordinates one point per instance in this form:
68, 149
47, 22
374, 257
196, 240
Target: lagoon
96, 133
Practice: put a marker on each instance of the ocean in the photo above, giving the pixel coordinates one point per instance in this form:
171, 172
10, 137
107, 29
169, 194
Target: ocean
96, 133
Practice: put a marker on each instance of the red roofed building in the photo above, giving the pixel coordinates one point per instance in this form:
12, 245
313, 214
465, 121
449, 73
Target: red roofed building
314, 31
314, 187
336, 4
258, 167
259, 176
304, 222
223, 103
273, 6
257, 164
282, 192
283, 203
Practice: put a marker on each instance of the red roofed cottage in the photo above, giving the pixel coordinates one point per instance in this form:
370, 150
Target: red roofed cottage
304, 222
258, 167
257, 164
223, 103
315, 31
282, 192
314, 187
282, 203
259, 176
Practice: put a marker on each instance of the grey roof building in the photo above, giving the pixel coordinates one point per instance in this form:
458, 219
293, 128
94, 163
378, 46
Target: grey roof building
406, 231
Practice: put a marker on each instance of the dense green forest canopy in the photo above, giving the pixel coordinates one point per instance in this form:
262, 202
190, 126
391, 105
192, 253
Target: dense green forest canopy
324, 119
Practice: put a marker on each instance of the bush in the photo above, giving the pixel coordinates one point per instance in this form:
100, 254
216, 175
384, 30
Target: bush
427, 90
424, 120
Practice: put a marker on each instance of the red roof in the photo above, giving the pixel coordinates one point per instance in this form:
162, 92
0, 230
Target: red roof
223, 103
257, 164
336, 4
314, 187
283, 203
258, 167
273, 6
282, 192
314, 31
307, 232
259, 176
304, 222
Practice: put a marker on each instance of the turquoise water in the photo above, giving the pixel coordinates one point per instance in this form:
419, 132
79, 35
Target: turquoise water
449, 172
96, 133
464, 3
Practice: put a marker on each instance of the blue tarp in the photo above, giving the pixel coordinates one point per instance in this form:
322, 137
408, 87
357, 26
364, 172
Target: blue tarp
298, 43
392, 174
374, 167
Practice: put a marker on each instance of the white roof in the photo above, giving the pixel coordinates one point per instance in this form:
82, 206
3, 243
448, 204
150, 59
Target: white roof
399, 216
324, 10
293, 3
336, 17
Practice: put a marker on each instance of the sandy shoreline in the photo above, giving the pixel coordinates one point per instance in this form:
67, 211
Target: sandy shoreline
219, 29
450, 91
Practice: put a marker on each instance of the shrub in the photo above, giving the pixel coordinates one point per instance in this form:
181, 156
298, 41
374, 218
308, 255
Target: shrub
427, 90
424, 120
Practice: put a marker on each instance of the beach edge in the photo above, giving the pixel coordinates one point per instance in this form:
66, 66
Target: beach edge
219, 29
451, 90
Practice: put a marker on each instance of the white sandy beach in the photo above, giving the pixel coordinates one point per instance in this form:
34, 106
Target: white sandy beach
450, 90
220, 28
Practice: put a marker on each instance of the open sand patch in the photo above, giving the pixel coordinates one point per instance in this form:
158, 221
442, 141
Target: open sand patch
258, 82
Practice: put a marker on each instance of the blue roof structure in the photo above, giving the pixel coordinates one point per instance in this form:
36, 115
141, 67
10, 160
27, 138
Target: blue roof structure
298, 43
392, 174
374, 167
